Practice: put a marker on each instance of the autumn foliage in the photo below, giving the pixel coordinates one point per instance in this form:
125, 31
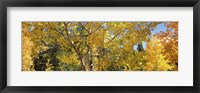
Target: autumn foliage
99, 46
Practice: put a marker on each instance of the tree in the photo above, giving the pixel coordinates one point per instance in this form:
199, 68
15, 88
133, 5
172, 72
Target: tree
155, 60
27, 46
91, 46
169, 40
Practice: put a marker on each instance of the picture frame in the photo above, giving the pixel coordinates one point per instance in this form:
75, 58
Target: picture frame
102, 3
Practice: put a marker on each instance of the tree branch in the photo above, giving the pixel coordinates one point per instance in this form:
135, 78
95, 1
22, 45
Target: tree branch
72, 44
114, 37
84, 27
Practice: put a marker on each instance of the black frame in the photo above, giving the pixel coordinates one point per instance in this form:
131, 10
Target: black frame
100, 3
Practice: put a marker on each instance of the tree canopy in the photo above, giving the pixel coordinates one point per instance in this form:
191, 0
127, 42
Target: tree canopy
99, 46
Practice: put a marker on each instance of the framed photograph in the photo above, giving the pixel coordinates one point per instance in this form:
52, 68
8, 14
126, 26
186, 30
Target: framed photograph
136, 46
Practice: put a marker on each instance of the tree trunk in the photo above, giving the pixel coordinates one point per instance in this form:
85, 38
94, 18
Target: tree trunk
87, 62
82, 64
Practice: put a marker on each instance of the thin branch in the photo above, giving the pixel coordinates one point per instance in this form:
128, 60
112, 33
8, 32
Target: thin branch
114, 37
69, 41
147, 27
97, 28
76, 50
84, 27
66, 28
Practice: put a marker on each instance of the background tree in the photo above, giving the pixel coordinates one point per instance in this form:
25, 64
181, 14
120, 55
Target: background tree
155, 60
169, 40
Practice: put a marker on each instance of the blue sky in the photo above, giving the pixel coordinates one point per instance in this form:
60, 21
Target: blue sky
158, 29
